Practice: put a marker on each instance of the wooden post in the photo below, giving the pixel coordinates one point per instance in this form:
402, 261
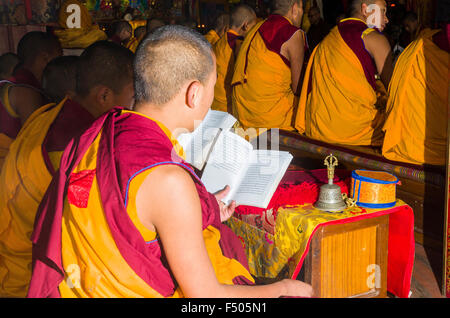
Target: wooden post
446, 251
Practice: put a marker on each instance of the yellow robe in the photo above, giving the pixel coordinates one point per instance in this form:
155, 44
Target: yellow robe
82, 37
337, 104
225, 58
212, 37
262, 95
416, 126
23, 182
6, 141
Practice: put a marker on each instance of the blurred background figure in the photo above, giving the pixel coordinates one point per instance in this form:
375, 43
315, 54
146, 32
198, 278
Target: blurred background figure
318, 29
139, 34
8, 63
122, 33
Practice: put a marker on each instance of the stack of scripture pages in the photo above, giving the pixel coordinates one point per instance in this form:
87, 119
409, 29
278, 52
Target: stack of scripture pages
228, 159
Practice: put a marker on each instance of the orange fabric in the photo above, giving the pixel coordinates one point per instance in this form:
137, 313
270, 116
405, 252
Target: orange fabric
23, 181
262, 95
225, 58
93, 264
212, 37
416, 126
82, 37
5, 141
337, 103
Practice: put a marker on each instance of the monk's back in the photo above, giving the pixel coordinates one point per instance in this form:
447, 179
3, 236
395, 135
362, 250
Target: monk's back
416, 127
262, 92
338, 99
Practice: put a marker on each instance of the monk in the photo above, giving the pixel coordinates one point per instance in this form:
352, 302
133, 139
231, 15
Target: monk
122, 33
22, 94
103, 80
221, 26
416, 125
8, 63
58, 79
135, 220
412, 25
268, 69
341, 99
139, 34
77, 32
243, 18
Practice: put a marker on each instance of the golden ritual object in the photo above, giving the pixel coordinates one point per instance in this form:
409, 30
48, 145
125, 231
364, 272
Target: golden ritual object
330, 197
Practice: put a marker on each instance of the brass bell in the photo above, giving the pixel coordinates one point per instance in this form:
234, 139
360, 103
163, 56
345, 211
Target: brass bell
330, 197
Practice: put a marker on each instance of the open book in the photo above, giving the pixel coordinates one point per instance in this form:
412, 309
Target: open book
253, 175
198, 144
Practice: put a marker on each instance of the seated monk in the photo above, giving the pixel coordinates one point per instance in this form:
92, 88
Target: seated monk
22, 94
268, 68
104, 80
122, 33
221, 26
339, 100
243, 18
135, 220
58, 79
416, 125
139, 34
73, 36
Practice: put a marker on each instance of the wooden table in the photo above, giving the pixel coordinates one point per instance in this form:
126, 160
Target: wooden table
355, 253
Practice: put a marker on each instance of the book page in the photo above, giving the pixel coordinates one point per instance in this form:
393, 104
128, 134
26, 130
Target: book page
261, 179
227, 163
197, 145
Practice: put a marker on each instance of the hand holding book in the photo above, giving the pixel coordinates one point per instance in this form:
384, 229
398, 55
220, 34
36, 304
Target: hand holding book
229, 160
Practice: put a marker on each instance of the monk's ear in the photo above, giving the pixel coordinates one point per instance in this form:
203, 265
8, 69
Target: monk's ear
244, 27
104, 96
364, 8
193, 93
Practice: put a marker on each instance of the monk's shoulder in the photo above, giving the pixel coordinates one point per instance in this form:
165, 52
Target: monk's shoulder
169, 185
18, 93
25, 100
376, 41
375, 37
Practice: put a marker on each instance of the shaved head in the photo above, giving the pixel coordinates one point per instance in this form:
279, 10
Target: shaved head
222, 22
242, 14
357, 5
104, 63
283, 6
167, 59
34, 43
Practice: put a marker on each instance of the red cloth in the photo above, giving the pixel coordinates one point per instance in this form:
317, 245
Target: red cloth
299, 187
126, 139
401, 247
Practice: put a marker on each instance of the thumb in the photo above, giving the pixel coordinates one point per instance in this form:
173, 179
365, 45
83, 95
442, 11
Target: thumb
222, 193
